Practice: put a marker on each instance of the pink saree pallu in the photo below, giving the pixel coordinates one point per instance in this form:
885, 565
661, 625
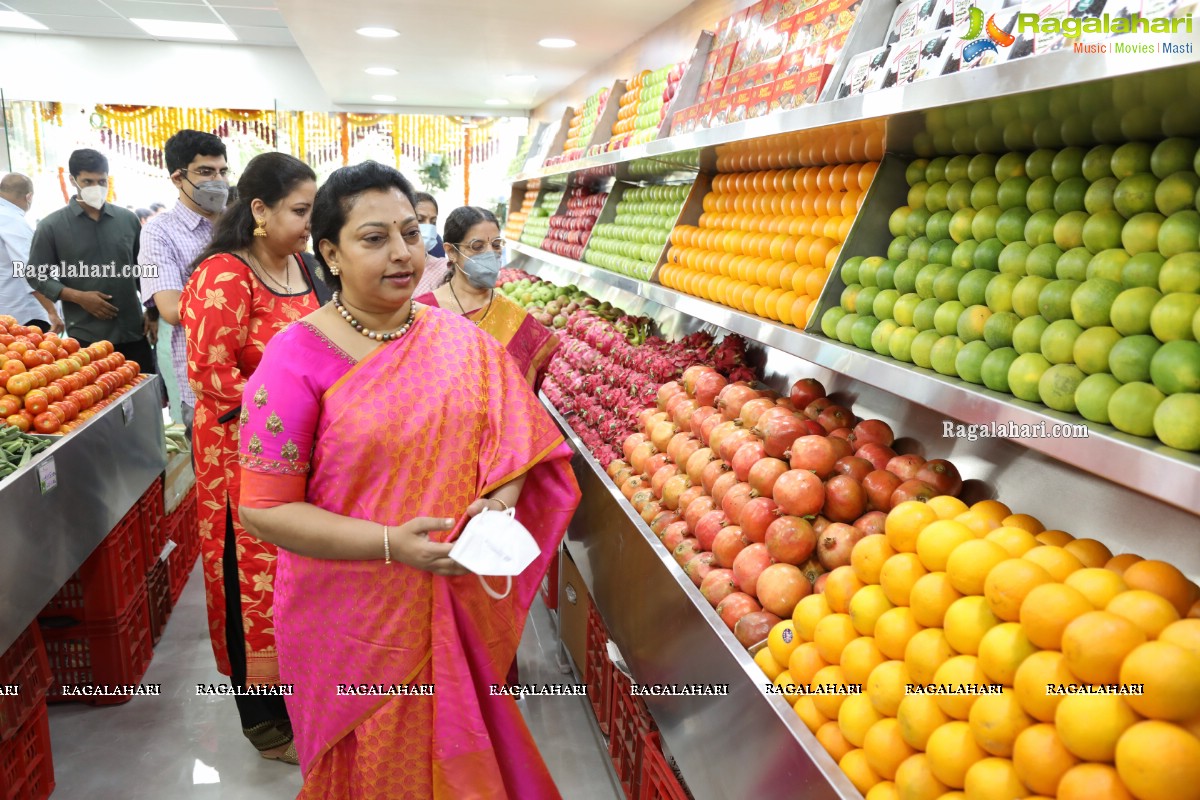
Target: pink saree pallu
392, 667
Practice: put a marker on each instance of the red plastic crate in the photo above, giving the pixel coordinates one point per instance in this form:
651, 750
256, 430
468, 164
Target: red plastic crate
158, 599
183, 526
598, 670
631, 721
107, 582
111, 653
659, 781
26, 766
154, 531
23, 664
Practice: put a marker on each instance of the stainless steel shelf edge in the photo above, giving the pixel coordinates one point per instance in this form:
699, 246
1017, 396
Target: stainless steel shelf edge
1155, 470
744, 744
608, 117
102, 469
689, 83
870, 30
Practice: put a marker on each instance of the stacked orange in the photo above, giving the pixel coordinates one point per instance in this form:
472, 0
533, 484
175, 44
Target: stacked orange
768, 240
516, 219
951, 596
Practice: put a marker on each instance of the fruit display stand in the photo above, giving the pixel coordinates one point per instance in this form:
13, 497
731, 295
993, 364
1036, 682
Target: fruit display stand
62, 505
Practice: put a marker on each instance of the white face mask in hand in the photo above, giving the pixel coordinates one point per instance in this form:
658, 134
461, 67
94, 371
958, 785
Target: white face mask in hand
494, 543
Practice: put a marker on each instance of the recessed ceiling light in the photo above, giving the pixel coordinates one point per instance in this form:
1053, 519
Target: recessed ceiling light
173, 29
384, 98
496, 101
521, 78
385, 72
15, 19
377, 33
557, 44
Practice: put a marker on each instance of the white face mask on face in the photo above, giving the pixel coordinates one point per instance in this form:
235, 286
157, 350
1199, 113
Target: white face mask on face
93, 195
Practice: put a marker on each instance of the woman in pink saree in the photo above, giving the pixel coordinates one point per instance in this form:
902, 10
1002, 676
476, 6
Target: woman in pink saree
376, 428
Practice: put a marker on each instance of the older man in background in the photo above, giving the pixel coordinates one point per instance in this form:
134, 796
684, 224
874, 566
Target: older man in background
17, 297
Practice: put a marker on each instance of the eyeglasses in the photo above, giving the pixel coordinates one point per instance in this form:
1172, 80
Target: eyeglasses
477, 246
210, 172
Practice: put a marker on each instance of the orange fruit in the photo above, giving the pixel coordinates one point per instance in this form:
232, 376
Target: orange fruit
866, 174
786, 683
1120, 563
1041, 759
959, 671
946, 507
1159, 761
805, 662
1055, 538
1047, 611
808, 613
830, 737
893, 630
866, 607
992, 508
859, 658
980, 524
868, 557
952, 751
996, 720
931, 595
1092, 782
991, 779
840, 587
815, 282
937, 541
927, 650
919, 716
905, 522
1090, 552
832, 634
966, 622
782, 640
1164, 580
1009, 582
1025, 522
1097, 584
887, 686
854, 764
1185, 633
915, 780
855, 718
886, 749
1015, 540
808, 714
1036, 672
1055, 560
1001, 651
1147, 610
831, 677
767, 663
1095, 645
969, 564
1170, 676
899, 574
1089, 725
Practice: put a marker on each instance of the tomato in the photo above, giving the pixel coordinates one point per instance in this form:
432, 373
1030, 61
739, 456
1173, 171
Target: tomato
20, 384
60, 353
7, 339
12, 366
57, 410
70, 345
54, 392
34, 336
30, 358
46, 423
19, 347
36, 402
39, 380
119, 358
135, 366
18, 421
71, 407
84, 357
9, 405
48, 345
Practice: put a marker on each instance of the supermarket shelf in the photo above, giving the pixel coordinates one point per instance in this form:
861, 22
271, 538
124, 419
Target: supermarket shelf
745, 743
1041, 73
101, 470
1155, 470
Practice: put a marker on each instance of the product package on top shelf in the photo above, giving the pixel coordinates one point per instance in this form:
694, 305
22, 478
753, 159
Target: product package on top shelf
903, 59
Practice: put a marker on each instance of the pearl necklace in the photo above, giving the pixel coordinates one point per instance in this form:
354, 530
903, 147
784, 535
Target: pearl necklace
367, 332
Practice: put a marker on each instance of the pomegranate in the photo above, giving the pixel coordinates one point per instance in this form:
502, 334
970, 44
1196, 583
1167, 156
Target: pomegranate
661, 434
709, 526
682, 446
646, 419
659, 524
683, 413
672, 405
690, 494
711, 423
723, 430
640, 498
699, 416
813, 570
780, 432
622, 475
733, 397
631, 485
780, 587
815, 454
660, 477
791, 540
834, 417
673, 489
718, 585
812, 427
804, 391
799, 493
708, 387
729, 445
650, 511
735, 606
674, 535
711, 472
666, 392
696, 510
615, 466
841, 446
754, 628
873, 431
641, 454
746, 457
871, 522
855, 467
632, 441
905, 467
756, 517
656, 462
879, 486
842, 433
722, 485
697, 461
776, 410
913, 490
691, 375
685, 551
698, 568
736, 499
878, 454
845, 500
814, 409
749, 564
942, 476
836, 544
754, 409
729, 542
764, 473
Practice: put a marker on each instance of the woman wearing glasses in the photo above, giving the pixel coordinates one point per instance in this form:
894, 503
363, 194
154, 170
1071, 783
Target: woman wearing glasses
473, 246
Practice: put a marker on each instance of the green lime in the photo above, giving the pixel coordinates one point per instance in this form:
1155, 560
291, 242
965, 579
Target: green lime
1041, 194
944, 354
1068, 163
1177, 422
1130, 313
905, 308
1179, 273
1027, 336
1093, 348
867, 270
898, 249
885, 301
1172, 316
914, 226
1097, 163
1102, 231
1091, 304
942, 252
1070, 195
1057, 386
1093, 394
905, 277
885, 275
844, 327
880, 336
922, 348
1025, 295
995, 368
1144, 269
1107, 264
1099, 196
1131, 408
1011, 225
1179, 234
972, 289
849, 298
1010, 165
925, 314
945, 286
1176, 192
914, 173
957, 168
1131, 158
916, 196
945, 319
1038, 164
1140, 234
1172, 155
968, 364
1058, 341
971, 323
1106, 127
937, 196
1129, 359
849, 270
919, 249
926, 278
1073, 264
987, 254
1175, 367
935, 170
1012, 193
1039, 228
998, 330
959, 196
960, 224
982, 166
963, 256
898, 220
1043, 259
983, 193
938, 226
998, 294
983, 226
829, 321
1014, 258
900, 343
861, 330
1054, 302
1025, 373
1135, 195
865, 300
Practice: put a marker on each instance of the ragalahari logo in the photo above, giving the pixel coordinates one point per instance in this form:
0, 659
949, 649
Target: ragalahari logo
976, 28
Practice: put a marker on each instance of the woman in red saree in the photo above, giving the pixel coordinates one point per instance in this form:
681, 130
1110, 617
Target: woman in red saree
473, 247
249, 284
397, 423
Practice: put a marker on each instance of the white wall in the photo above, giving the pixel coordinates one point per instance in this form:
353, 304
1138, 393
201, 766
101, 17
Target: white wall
87, 71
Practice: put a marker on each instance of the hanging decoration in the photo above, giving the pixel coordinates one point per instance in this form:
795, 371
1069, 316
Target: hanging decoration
62, 184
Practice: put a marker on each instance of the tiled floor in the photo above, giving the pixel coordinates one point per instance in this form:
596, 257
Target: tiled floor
183, 746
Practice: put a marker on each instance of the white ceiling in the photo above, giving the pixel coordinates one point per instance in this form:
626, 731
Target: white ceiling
450, 53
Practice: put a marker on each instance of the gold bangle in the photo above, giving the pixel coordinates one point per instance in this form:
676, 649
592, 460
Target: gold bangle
387, 548
501, 502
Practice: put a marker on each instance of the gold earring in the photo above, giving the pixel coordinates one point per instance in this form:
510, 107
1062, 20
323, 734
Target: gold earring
260, 229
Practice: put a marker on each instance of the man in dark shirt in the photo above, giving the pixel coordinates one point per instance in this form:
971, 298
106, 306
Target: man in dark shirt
85, 255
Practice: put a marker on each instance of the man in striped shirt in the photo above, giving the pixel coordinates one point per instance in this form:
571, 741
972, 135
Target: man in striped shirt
172, 239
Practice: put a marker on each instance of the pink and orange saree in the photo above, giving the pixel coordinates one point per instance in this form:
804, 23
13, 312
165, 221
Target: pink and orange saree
423, 426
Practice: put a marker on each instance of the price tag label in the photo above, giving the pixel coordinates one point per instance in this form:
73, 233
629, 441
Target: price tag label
127, 410
47, 475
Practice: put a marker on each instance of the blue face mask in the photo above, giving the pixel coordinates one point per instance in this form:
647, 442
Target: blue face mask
482, 270
430, 235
